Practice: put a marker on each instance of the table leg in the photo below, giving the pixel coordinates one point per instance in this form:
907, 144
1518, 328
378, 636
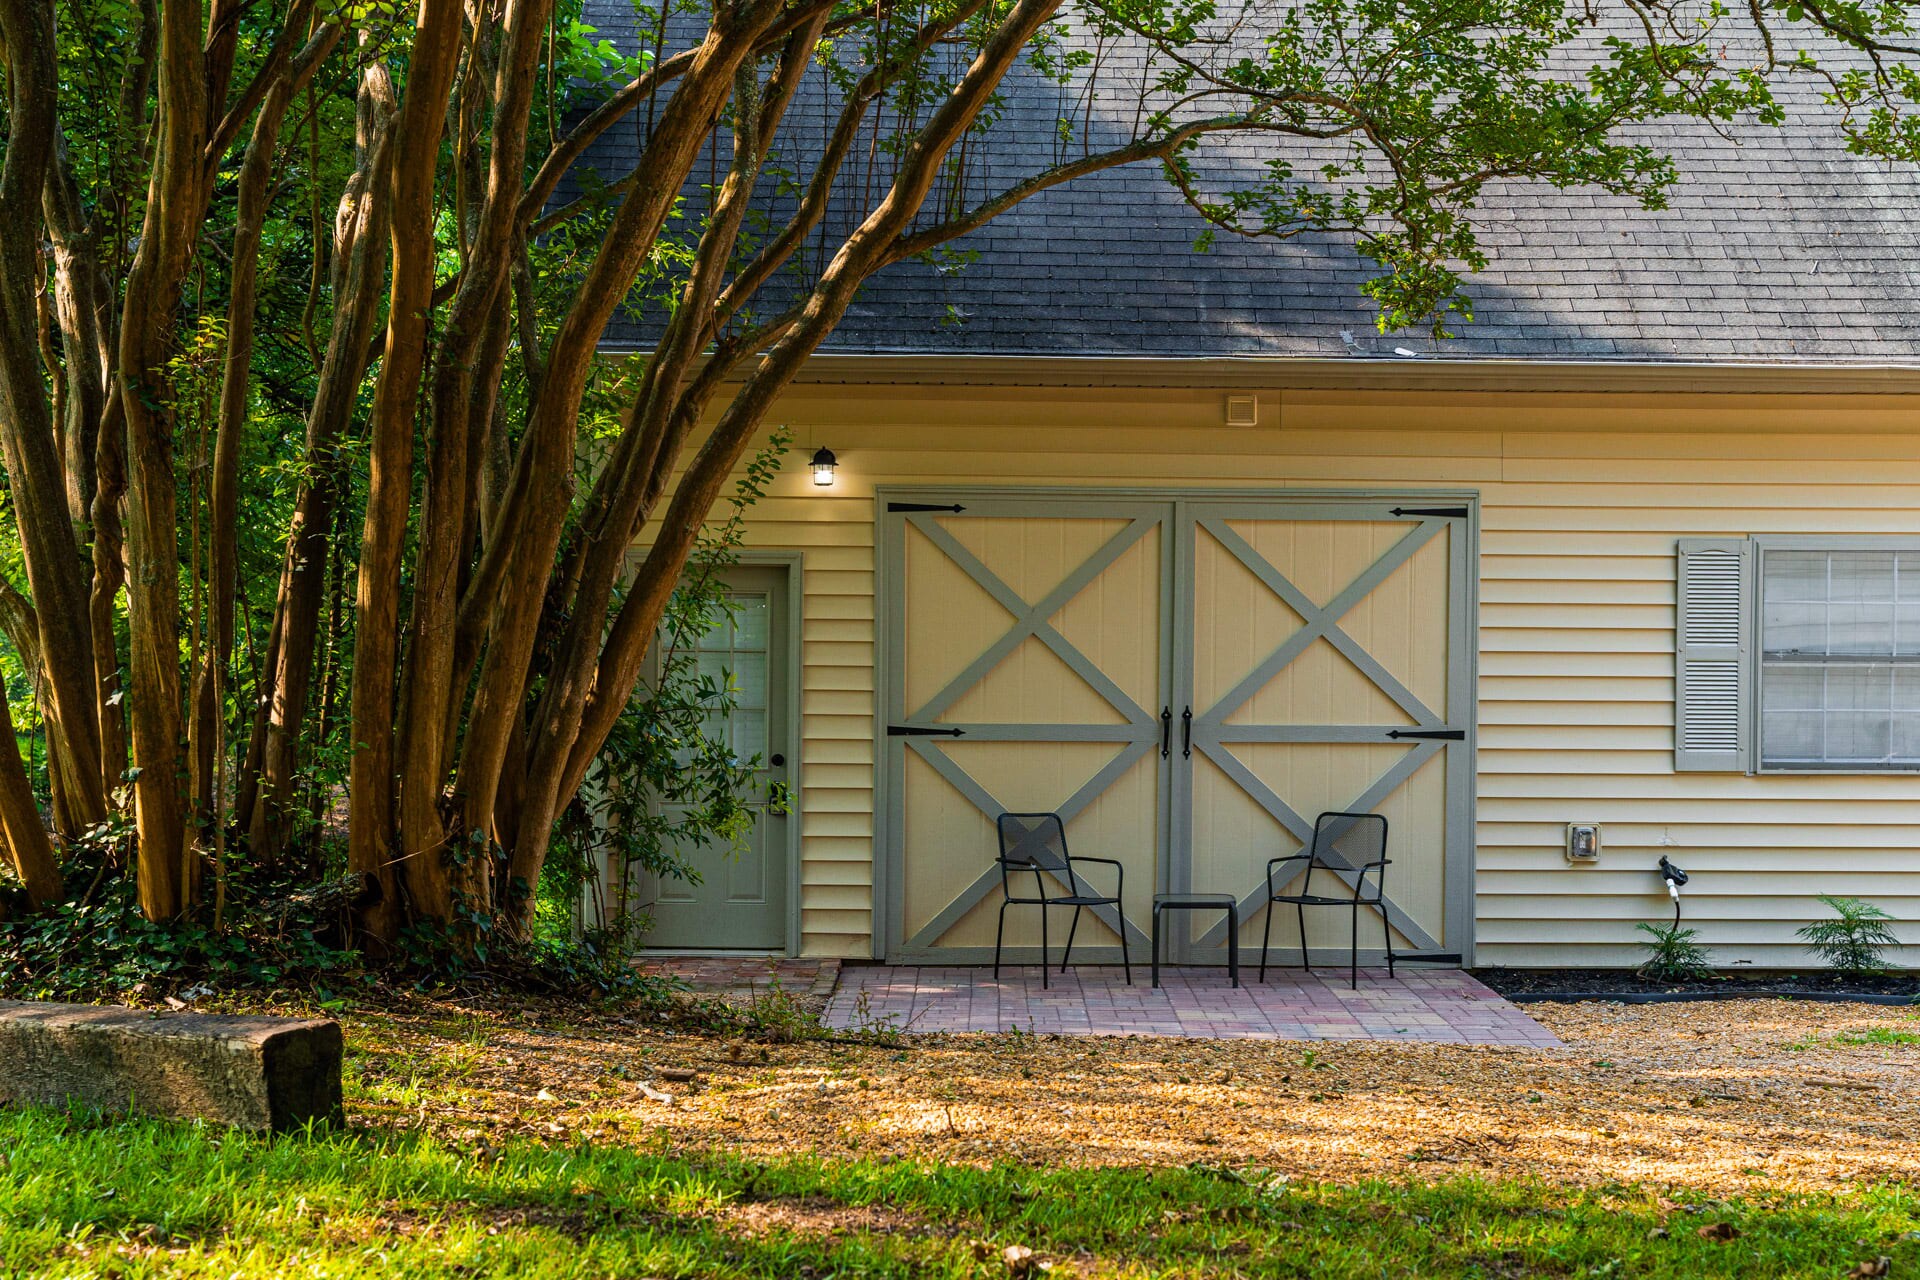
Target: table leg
1233, 944
1156, 945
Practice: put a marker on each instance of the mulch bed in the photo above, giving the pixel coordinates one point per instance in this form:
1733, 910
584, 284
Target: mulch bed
1532, 985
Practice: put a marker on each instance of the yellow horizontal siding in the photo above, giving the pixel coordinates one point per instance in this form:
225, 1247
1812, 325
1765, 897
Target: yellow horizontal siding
1582, 497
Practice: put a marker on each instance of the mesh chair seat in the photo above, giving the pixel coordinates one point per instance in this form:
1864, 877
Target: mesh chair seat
1314, 900
1074, 900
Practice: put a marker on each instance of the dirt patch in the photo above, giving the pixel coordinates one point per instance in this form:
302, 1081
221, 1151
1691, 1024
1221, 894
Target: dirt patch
824, 1217
1723, 1097
577, 1219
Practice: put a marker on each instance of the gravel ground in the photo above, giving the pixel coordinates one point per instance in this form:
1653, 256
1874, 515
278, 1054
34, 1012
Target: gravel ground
1726, 1097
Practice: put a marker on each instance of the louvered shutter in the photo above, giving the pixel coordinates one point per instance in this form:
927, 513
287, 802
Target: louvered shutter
1713, 678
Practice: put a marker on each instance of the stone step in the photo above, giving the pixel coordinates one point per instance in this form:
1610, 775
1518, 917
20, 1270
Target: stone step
248, 1072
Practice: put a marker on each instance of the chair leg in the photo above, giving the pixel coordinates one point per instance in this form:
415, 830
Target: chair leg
998, 934
1072, 929
1353, 953
1300, 910
1043, 947
1266, 937
1126, 962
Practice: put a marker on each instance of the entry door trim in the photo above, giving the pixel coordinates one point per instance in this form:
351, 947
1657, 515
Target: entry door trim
1461, 759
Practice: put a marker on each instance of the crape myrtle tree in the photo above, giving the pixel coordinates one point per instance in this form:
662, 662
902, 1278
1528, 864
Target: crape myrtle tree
306, 435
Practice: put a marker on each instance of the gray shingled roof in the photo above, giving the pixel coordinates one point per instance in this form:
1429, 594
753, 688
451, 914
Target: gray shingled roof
1778, 247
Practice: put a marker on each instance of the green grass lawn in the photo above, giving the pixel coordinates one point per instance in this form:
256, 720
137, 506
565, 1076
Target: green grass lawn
151, 1198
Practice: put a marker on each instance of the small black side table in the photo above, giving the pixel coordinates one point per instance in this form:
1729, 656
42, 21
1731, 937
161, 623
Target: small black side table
1200, 902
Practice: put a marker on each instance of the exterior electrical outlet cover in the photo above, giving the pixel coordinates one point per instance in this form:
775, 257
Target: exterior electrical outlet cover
1583, 842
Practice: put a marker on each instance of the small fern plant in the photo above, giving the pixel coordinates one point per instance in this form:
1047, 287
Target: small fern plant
1855, 941
1674, 955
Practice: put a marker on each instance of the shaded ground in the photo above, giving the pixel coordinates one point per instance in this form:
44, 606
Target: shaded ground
1724, 1098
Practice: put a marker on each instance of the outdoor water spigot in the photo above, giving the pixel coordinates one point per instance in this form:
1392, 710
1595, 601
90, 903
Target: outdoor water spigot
1673, 875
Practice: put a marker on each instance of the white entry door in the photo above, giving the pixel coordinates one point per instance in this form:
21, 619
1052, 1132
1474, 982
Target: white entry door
741, 900
1188, 683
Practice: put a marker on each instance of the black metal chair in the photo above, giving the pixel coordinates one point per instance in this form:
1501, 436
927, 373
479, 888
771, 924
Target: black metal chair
1359, 840
1037, 843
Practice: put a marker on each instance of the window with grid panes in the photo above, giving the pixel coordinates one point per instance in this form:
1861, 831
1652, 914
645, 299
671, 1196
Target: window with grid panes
1839, 659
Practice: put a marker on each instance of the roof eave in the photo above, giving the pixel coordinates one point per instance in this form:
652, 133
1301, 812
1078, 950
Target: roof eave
1353, 374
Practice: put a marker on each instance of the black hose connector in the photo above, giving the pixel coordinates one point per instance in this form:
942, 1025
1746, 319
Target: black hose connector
1674, 877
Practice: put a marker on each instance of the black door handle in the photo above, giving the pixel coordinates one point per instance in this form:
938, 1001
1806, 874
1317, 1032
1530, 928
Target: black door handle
1186, 733
1166, 732
776, 760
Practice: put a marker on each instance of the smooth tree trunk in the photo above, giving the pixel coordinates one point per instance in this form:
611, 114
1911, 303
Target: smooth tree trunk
373, 846
256, 175
29, 441
169, 871
360, 257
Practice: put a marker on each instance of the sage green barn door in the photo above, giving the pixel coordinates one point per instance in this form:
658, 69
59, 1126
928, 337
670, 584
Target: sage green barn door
1028, 664
1325, 662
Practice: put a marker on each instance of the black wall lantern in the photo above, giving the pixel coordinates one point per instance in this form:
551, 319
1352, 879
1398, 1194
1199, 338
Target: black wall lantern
823, 464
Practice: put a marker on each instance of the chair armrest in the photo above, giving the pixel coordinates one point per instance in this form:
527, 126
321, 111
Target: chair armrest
1274, 862
1379, 880
1119, 868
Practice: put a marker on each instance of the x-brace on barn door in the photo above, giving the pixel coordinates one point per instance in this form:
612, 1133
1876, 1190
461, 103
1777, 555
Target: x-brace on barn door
1187, 682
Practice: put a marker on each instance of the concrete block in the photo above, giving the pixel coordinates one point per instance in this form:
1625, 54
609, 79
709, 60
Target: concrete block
250, 1072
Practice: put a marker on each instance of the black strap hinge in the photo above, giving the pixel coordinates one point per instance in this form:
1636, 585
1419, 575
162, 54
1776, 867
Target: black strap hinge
1436, 735
954, 507
1448, 513
920, 731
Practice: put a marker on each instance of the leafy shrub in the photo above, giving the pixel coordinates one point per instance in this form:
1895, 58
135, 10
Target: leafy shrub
1855, 942
97, 945
1673, 955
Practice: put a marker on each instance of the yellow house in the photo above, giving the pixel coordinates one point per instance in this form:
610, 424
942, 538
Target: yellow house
1177, 546
1136, 548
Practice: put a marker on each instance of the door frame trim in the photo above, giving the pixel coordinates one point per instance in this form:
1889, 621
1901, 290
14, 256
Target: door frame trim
888, 936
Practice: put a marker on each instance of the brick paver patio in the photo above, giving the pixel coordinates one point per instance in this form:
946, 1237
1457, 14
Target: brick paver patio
745, 978
1443, 1005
